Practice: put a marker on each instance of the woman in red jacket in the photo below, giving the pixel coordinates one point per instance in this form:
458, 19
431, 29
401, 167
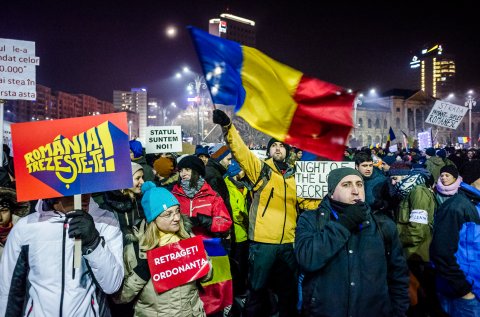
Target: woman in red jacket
210, 219
199, 201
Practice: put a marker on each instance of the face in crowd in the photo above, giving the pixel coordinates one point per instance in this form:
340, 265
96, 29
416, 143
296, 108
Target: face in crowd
278, 151
185, 174
5, 217
66, 203
366, 168
349, 190
226, 161
396, 179
137, 182
447, 179
204, 158
169, 220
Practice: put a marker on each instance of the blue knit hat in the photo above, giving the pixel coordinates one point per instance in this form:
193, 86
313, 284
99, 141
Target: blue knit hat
156, 200
136, 148
201, 150
218, 151
233, 168
441, 153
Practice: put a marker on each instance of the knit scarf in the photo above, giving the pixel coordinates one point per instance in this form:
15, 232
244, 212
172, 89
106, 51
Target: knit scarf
403, 188
167, 238
451, 189
191, 191
4, 231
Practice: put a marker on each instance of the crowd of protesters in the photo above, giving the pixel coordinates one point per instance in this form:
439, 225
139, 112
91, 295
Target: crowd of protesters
397, 235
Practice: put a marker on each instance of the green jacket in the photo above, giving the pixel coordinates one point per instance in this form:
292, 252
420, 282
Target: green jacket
238, 202
415, 222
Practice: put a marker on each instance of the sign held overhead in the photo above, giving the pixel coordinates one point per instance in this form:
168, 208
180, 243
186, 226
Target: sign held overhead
446, 114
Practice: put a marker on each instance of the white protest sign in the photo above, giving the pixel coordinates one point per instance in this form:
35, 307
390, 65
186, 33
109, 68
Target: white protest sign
425, 140
393, 148
17, 70
163, 139
261, 154
446, 114
311, 177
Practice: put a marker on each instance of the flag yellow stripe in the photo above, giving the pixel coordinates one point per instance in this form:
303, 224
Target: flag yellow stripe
221, 270
270, 86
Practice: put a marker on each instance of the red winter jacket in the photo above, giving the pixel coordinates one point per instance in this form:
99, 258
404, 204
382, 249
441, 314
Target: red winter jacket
206, 202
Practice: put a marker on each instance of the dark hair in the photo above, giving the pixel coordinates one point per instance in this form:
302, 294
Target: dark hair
362, 157
193, 179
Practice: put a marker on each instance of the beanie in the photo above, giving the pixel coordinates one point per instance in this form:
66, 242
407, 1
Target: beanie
192, 162
336, 175
8, 199
430, 151
156, 200
233, 168
163, 166
218, 151
389, 159
136, 167
470, 171
399, 168
201, 150
273, 140
136, 148
442, 153
450, 169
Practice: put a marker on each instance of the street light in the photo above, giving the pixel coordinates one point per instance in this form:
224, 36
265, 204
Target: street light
470, 103
197, 85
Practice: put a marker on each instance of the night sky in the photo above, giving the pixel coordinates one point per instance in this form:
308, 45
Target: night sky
97, 47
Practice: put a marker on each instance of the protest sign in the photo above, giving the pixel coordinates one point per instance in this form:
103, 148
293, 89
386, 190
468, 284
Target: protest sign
311, 177
66, 157
446, 114
425, 139
163, 139
177, 263
17, 70
393, 148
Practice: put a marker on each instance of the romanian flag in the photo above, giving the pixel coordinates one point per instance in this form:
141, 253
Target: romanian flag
391, 135
274, 98
217, 293
463, 139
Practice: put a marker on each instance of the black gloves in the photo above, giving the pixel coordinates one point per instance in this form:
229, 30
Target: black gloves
81, 226
353, 215
221, 118
142, 269
202, 221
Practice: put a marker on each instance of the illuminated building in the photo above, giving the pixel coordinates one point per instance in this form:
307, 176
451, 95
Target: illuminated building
133, 102
233, 28
436, 71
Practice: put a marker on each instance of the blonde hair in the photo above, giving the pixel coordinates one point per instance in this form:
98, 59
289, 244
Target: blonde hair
152, 237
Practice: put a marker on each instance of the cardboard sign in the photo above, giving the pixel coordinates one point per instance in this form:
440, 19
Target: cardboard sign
311, 177
66, 157
17, 70
177, 263
163, 139
446, 114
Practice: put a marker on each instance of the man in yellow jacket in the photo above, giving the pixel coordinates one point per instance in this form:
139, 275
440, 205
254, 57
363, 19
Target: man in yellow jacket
272, 222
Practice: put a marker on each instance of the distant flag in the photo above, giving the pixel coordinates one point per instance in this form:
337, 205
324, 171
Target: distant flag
463, 139
407, 141
275, 99
391, 135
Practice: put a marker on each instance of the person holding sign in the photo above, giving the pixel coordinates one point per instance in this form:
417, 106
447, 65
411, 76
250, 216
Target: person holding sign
352, 260
37, 273
165, 225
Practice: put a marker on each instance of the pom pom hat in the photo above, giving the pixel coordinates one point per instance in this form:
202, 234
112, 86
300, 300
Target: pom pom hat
156, 200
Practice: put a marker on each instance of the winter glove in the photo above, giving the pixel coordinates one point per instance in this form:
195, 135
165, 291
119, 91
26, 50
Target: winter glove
81, 226
202, 221
353, 215
221, 118
142, 269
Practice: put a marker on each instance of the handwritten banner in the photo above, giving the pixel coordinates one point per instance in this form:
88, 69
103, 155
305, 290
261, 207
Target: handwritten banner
446, 114
311, 177
177, 263
71, 156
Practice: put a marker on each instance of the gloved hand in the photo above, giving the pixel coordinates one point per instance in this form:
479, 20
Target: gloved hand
353, 215
221, 118
142, 269
81, 226
202, 221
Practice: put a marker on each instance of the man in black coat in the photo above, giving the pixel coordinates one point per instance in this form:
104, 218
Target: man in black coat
353, 261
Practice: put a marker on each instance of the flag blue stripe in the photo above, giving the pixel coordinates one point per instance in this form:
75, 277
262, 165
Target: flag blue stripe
216, 54
214, 247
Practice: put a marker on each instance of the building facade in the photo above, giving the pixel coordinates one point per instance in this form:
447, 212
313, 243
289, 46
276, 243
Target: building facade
51, 105
405, 111
234, 28
134, 102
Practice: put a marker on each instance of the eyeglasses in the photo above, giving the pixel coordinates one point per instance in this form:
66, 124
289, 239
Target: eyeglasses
171, 214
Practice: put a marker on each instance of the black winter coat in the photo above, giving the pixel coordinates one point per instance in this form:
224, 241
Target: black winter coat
349, 274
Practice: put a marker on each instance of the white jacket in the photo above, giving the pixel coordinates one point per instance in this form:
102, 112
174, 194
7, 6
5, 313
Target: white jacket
36, 269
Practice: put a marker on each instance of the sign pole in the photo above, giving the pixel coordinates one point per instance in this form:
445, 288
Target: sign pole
77, 247
2, 103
